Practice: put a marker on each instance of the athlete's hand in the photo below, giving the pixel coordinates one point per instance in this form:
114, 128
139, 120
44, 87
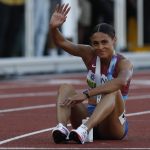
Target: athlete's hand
75, 99
59, 16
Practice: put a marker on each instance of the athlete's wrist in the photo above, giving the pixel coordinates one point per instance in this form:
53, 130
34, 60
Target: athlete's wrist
86, 93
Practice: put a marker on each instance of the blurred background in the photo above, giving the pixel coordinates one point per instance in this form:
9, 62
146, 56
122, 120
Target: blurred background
25, 39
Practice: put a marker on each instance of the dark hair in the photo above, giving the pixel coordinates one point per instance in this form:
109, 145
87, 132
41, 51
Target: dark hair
104, 28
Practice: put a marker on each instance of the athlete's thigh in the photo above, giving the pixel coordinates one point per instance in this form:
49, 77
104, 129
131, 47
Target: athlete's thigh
78, 112
111, 127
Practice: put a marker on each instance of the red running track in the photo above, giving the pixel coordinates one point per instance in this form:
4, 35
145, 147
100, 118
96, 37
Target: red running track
27, 113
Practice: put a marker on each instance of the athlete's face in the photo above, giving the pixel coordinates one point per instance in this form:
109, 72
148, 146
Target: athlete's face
103, 44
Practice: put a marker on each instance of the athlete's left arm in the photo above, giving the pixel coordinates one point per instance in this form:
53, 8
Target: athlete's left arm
125, 73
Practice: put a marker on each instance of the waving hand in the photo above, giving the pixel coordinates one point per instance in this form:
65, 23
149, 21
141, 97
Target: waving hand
59, 16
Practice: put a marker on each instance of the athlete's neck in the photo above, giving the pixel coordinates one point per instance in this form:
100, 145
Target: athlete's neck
106, 61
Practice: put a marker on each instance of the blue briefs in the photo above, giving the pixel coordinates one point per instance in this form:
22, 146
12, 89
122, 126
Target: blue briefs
125, 129
90, 109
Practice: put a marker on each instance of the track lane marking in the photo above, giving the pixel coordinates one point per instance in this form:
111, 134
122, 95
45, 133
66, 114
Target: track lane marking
49, 129
141, 97
66, 148
53, 93
59, 81
27, 108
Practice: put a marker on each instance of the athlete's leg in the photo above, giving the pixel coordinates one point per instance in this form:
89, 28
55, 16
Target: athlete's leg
106, 116
78, 112
65, 113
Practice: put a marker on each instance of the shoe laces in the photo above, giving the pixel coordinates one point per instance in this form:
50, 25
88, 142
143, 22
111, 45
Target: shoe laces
82, 130
62, 128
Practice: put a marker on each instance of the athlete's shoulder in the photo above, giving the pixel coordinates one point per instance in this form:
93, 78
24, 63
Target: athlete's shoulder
88, 54
123, 58
120, 56
124, 62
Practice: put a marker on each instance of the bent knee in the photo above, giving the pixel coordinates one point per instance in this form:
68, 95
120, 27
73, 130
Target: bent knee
66, 86
115, 95
112, 98
66, 90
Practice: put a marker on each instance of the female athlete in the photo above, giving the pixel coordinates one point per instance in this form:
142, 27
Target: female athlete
109, 75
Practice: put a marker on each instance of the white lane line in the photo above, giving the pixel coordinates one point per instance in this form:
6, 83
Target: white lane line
141, 82
53, 93
65, 148
138, 113
49, 129
53, 105
25, 135
57, 81
33, 94
137, 97
48, 82
27, 108
3, 96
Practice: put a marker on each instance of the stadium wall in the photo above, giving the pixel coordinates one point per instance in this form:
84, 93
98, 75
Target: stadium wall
59, 64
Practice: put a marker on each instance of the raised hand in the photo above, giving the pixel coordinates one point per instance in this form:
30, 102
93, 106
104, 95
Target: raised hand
59, 16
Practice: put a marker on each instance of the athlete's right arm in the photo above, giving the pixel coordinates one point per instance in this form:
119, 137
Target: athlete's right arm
58, 18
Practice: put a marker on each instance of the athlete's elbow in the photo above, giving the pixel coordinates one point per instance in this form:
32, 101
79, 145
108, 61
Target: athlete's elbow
123, 82
60, 43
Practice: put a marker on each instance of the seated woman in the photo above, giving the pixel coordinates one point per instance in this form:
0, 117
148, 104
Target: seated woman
109, 76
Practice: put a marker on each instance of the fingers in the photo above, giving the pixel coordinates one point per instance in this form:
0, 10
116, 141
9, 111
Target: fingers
66, 9
67, 102
63, 9
57, 7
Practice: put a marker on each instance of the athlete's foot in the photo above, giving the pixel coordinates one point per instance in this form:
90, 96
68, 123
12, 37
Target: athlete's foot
79, 135
60, 134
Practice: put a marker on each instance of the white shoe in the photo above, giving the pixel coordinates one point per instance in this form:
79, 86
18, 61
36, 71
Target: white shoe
60, 133
79, 135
